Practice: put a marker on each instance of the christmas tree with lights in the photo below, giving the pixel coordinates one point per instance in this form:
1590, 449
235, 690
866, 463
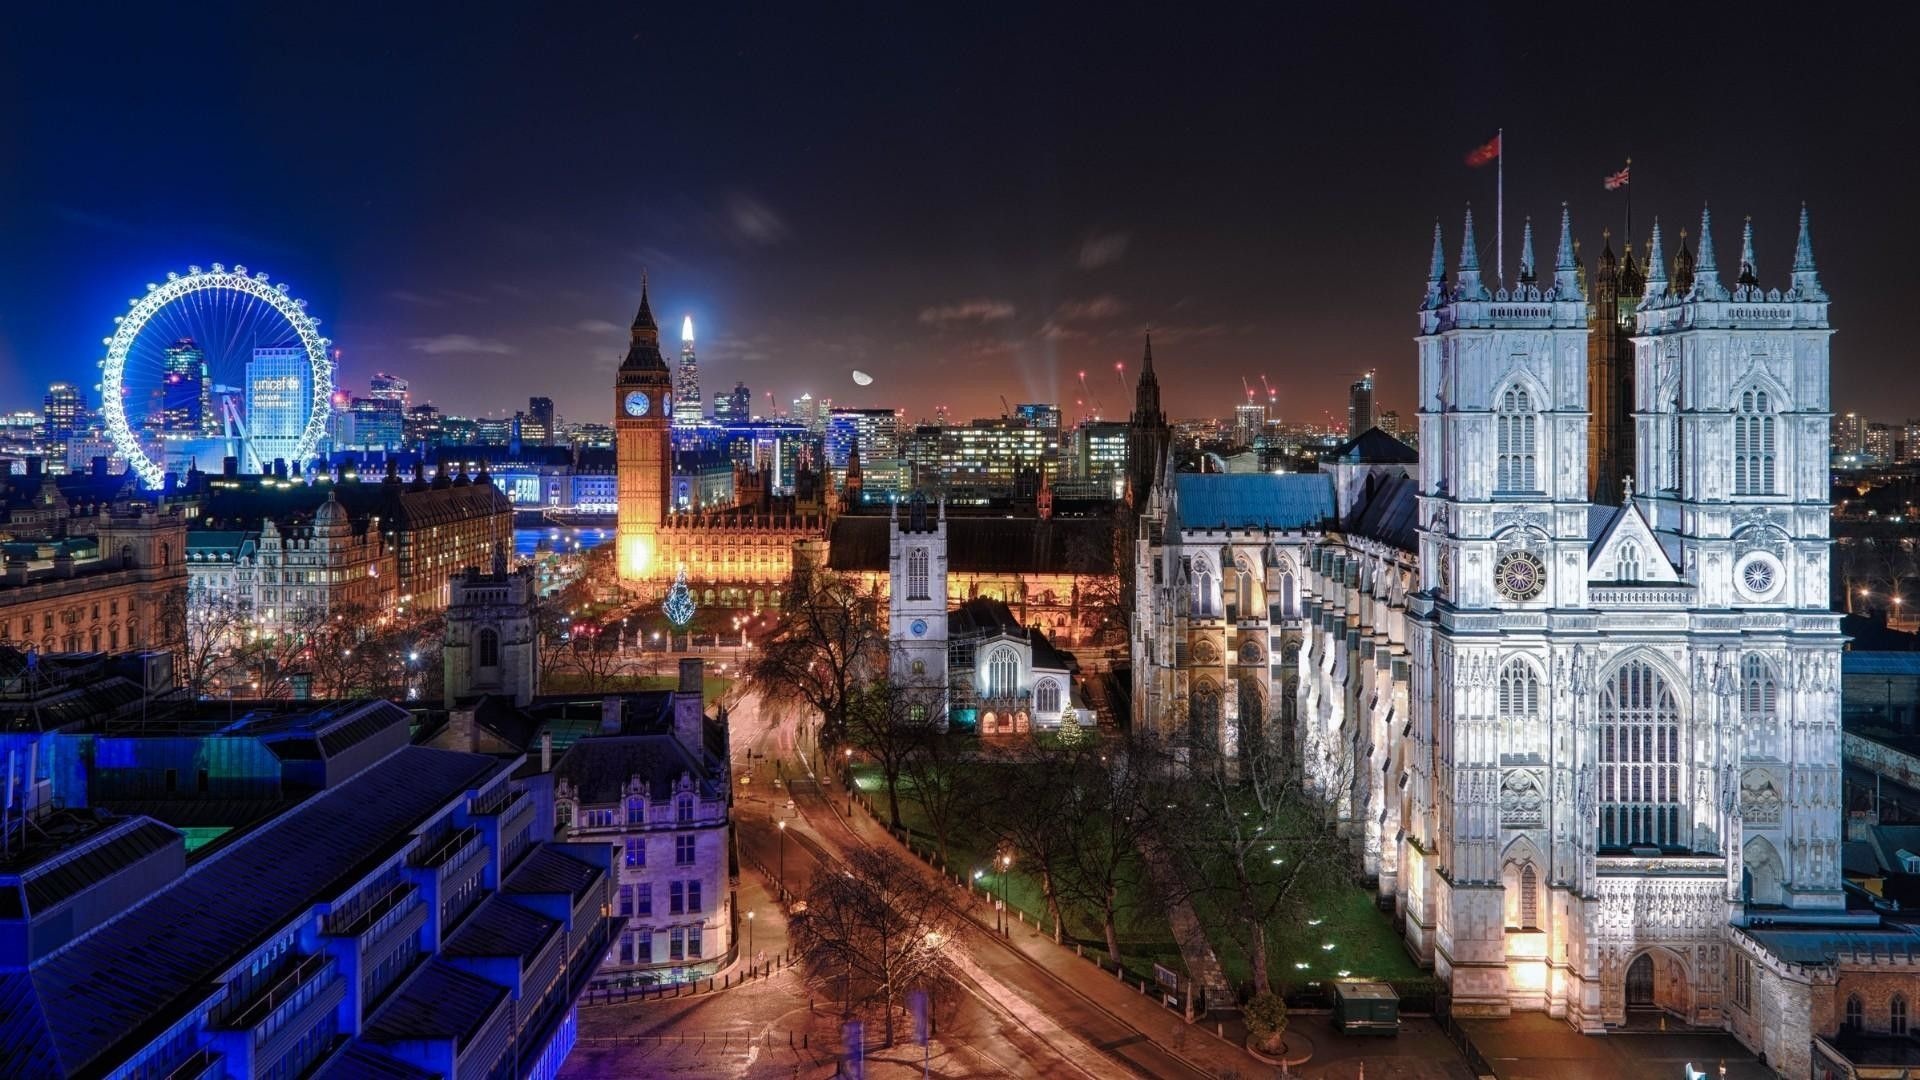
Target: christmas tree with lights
679, 606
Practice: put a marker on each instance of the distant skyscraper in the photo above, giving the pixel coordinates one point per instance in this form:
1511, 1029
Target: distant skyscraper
742, 402
65, 415
186, 399
686, 390
1849, 435
539, 428
1390, 423
1039, 414
1249, 422
723, 407
1878, 443
279, 396
384, 387
1360, 405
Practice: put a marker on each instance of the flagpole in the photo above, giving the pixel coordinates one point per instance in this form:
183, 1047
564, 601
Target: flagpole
1629, 187
1500, 205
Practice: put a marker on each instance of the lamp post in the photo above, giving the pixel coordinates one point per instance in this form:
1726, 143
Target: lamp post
749, 938
783, 862
1006, 863
849, 761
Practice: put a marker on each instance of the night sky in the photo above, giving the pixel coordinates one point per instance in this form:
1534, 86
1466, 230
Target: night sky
964, 200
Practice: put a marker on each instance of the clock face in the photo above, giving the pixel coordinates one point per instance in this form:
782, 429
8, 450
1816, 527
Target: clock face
1520, 575
637, 403
919, 627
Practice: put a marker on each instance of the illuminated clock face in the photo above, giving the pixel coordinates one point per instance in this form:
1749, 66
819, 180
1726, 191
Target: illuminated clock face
919, 627
637, 403
1520, 575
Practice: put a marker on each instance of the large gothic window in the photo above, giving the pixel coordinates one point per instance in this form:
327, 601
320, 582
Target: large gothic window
1289, 602
1243, 588
1003, 673
917, 574
1753, 445
1529, 897
1675, 451
1046, 696
1521, 728
1516, 433
1205, 708
1202, 587
489, 648
1640, 788
1759, 706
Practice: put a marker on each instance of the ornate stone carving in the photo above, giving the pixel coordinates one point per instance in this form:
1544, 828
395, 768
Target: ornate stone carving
1760, 800
1522, 804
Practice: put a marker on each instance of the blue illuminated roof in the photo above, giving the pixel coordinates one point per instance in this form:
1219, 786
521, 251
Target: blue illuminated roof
134, 976
438, 1002
1253, 500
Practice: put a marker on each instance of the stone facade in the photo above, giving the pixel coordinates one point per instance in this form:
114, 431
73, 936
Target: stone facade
492, 642
116, 582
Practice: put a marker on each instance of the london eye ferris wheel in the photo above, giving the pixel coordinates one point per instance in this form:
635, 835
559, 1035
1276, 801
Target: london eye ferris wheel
215, 363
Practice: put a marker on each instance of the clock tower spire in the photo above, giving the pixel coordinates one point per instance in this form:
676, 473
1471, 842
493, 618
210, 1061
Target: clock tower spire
642, 411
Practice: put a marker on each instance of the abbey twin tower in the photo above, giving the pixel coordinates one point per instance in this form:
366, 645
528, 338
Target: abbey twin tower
1582, 745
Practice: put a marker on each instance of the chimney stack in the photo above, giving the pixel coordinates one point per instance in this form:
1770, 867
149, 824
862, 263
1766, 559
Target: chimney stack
610, 713
689, 708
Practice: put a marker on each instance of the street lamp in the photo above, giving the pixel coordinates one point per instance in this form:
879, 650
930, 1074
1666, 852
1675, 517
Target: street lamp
749, 937
1006, 863
783, 862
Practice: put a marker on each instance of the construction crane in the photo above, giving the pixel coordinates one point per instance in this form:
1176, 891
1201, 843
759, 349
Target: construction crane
1244, 386
1006, 410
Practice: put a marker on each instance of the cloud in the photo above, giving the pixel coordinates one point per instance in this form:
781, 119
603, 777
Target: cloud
754, 221
408, 296
460, 343
1102, 249
596, 326
978, 309
1091, 310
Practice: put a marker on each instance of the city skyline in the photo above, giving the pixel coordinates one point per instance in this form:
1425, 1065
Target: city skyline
1128, 198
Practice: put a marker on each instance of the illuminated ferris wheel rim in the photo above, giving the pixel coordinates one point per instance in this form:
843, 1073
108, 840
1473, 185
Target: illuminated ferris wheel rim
141, 311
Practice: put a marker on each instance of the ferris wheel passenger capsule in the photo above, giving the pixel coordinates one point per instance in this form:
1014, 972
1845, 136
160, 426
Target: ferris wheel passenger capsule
151, 286
193, 269
106, 341
173, 275
281, 288
240, 270
219, 268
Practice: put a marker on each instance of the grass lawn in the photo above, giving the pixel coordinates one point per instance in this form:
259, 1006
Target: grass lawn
1363, 939
1146, 937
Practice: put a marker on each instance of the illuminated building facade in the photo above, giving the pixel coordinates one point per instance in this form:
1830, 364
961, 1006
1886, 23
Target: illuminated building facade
116, 581
643, 410
279, 395
187, 406
1588, 751
65, 412
686, 383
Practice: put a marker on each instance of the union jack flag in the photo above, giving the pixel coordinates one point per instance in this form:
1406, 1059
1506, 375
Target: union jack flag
1618, 180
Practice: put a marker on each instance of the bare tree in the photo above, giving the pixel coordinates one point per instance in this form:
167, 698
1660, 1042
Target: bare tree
210, 627
1033, 797
829, 643
1099, 601
1249, 829
946, 783
1113, 814
878, 931
891, 721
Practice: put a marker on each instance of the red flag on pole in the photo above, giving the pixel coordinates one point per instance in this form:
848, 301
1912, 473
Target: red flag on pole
1484, 155
1616, 181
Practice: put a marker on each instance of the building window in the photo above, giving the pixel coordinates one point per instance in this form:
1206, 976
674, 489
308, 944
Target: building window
636, 851
676, 898
676, 944
626, 899
683, 850
683, 810
1897, 1015
563, 813
693, 898
1759, 705
1629, 565
1856, 1013
1742, 980
1003, 673
1753, 445
1529, 897
1520, 723
636, 811
693, 942
643, 898
1203, 588
1046, 696
1243, 589
1250, 652
1515, 428
917, 574
1639, 733
1676, 453
1205, 707
488, 644
626, 946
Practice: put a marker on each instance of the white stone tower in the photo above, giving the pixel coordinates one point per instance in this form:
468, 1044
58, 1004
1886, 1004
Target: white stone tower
491, 645
917, 599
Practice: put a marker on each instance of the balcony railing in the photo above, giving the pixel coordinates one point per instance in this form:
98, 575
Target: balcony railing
452, 850
256, 1011
353, 922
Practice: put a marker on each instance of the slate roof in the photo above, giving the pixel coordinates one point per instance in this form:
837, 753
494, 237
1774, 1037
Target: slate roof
500, 927
134, 976
1869, 662
1389, 511
439, 1002
982, 615
1373, 447
1253, 500
550, 870
359, 1061
598, 767
985, 545
93, 859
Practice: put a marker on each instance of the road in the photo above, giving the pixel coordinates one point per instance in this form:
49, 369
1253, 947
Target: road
1055, 1029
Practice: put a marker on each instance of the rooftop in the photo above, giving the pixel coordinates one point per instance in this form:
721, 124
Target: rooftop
1253, 500
439, 1002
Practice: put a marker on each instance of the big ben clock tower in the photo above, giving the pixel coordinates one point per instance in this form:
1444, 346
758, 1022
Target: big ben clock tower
642, 412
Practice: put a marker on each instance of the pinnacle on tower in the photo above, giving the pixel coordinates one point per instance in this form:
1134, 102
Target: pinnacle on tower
1656, 267
1806, 279
1566, 260
644, 352
643, 319
1146, 363
1706, 266
1682, 268
1470, 285
1527, 276
1437, 271
1747, 276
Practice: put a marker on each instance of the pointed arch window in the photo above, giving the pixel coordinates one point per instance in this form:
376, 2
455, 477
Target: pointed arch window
1640, 790
1676, 453
1628, 568
1759, 705
1516, 430
917, 574
1003, 673
1897, 1015
488, 644
1520, 724
1529, 897
1205, 708
1046, 697
1203, 604
1856, 1013
1243, 597
1753, 444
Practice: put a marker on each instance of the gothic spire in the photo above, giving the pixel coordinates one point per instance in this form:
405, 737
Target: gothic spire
1656, 267
1146, 362
1527, 275
1682, 268
643, 319
1437, 272
1747, 276
1566, 261
1706, 266
1806, 279
644, 351
1470, 285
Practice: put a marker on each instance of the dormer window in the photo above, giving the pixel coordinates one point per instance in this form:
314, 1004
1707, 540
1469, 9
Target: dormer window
683, 809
